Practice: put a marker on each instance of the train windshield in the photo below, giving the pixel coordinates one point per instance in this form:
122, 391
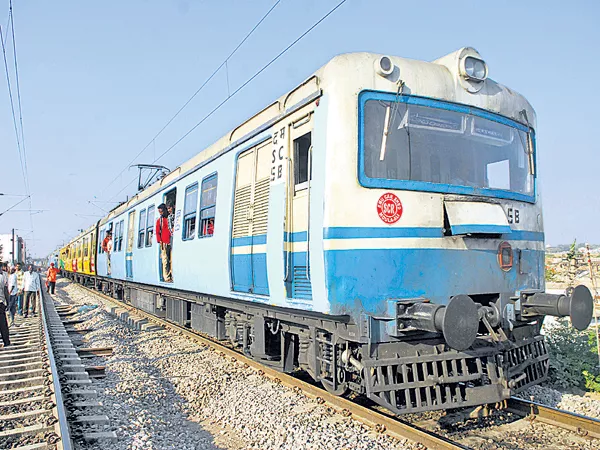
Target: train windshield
410, 142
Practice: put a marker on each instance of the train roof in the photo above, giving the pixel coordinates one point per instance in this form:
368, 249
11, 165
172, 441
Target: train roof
439, 79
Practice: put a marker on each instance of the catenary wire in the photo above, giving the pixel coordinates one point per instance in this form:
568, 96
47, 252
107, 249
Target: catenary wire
248, 81
18, 86
12, 107
202, 86
17, 83
14, 206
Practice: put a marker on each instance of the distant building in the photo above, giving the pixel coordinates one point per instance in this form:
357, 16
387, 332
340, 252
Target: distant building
7, 248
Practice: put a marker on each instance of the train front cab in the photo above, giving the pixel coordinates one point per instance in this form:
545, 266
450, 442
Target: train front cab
433, 237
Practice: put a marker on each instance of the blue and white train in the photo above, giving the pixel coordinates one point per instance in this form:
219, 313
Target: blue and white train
378, 226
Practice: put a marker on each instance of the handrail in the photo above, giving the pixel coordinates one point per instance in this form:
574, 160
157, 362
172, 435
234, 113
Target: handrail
308, 212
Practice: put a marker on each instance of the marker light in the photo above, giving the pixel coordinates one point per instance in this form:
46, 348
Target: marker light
384, 66
505, 256
475, 69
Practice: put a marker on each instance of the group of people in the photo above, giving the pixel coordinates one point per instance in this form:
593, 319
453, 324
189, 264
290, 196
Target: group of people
19, 294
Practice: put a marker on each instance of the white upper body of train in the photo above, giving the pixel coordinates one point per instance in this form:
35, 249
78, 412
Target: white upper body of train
376, 180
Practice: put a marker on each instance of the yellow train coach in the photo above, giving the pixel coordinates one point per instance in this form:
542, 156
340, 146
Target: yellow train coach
79, 255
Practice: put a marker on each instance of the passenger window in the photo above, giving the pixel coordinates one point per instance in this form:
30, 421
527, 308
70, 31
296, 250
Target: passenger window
208, 202
189, 211
85, 247
301, 161
116, 237
150, 226
142, 228
119, 236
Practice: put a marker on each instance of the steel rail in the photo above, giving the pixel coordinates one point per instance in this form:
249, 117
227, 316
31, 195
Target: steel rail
536, 412
64, 431
381, 422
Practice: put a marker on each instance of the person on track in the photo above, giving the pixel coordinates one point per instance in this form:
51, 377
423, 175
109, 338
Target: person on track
51, 277
32, 287
3, 305
163, 237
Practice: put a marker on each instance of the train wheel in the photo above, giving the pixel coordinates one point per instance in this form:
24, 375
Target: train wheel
342, 385
340, 391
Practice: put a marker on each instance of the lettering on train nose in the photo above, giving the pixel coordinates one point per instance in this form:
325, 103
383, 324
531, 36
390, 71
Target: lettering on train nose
513, 215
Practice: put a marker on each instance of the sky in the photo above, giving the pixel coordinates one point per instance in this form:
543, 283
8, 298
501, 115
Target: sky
98, 80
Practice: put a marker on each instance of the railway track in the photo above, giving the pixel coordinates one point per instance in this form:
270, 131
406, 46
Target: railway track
45, 400
381, 421
536, 412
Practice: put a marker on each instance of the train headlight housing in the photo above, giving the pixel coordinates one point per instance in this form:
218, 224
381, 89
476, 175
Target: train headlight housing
474, 69
505, 256
384, 66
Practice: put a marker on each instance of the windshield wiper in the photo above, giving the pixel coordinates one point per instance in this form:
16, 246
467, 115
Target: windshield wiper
386, 130
388, 121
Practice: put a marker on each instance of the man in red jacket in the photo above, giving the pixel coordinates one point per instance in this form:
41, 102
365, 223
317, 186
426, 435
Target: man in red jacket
163, 237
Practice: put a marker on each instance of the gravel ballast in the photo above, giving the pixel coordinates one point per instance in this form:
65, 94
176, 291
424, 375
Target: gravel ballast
164, 391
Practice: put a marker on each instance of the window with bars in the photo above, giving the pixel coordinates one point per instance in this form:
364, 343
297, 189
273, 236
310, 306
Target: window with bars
116, 237
149, 226
100, 241
86, 243
208, 202
142, 228
301, 162
189, 212
119, 235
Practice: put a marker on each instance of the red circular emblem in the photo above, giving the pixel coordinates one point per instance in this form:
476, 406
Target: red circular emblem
389, 208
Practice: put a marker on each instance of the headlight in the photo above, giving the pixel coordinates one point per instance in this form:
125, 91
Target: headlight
384, 66
475, 69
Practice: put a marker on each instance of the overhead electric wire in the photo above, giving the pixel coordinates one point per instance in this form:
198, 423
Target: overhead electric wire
202, 86
18, 86
12, 107
248, 81
20, 141
14, 206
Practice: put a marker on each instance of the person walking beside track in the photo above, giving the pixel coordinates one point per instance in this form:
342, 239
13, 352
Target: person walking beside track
32, 287
3, 304
20, 288
51, 278
13, 297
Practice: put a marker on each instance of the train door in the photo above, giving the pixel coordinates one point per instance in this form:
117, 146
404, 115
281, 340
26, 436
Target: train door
250, 217
129, 249
169, 199
86, 255
80, 255
93, 253
298, 282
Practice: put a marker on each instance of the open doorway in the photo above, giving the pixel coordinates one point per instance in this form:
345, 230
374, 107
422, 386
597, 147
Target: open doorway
166, 251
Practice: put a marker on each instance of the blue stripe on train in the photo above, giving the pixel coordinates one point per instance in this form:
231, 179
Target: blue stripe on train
364, 280
249, 240
414, 232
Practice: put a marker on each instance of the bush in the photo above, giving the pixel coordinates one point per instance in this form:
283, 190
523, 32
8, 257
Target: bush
573, 357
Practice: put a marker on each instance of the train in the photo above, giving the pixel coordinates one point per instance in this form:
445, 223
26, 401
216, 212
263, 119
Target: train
378, 227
